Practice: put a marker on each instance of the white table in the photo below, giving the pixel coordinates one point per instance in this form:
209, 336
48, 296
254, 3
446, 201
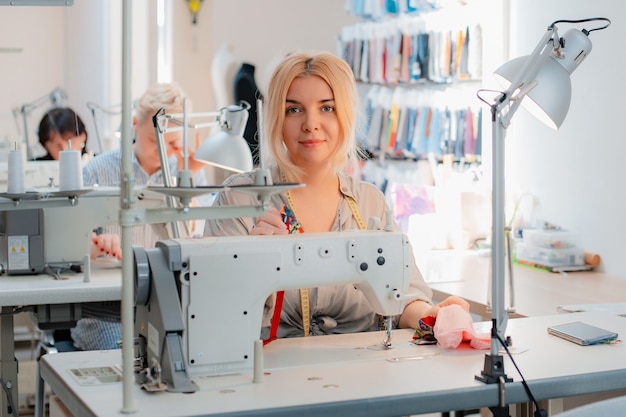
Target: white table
537, 292
104, 284
342, 375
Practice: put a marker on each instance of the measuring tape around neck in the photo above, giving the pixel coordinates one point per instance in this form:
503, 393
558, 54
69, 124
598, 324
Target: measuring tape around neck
305, 302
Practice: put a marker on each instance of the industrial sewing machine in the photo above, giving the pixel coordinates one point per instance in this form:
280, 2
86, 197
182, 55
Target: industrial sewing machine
53, 233
46, 231
199, 302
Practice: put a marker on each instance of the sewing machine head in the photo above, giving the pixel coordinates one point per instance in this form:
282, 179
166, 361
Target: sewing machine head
56, 237
209, 293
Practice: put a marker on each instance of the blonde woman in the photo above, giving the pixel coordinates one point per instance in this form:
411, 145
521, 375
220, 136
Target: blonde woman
310, 118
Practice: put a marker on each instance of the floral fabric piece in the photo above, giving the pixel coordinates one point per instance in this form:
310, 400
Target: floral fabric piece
424, 334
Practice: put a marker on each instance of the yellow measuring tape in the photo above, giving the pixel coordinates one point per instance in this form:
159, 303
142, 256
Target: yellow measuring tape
355, 212
305, 302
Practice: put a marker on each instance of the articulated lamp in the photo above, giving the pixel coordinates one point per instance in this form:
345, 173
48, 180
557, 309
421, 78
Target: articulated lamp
551, 101
56, 98
226, 148
539, 81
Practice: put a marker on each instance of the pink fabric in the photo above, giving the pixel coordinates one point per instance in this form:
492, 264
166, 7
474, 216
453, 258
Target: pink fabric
454, 326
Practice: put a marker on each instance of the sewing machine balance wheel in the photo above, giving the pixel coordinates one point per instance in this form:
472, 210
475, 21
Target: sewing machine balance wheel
142, 275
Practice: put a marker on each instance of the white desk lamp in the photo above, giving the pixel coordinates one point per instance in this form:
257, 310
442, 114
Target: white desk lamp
543, 78
225, 148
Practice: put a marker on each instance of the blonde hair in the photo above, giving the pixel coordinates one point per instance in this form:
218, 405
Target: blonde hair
339, 77
168, 96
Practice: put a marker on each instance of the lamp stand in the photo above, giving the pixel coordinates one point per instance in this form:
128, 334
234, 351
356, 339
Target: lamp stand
502, 110
553, 60
493, 371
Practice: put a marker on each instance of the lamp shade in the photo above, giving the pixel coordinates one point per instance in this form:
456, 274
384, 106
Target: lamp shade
227, 148
549, 100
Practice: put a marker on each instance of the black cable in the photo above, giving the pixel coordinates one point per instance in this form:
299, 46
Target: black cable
591, 19
7, 391
538, 411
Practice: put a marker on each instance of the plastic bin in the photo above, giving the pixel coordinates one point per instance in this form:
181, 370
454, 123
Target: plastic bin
550, 256
555, 239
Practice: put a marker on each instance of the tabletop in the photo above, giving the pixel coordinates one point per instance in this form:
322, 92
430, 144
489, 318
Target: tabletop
351, 375
104, 284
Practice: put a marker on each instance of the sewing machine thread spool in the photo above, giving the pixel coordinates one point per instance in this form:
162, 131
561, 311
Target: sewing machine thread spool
258, 361
70, 170
15, 179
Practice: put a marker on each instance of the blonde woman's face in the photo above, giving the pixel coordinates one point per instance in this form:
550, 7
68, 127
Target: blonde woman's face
311, 127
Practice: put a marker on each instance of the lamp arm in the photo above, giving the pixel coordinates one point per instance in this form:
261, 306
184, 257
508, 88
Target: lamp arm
28, 107
508, 102
178, 116
179, 125
165, 167
185, 145
178, 120
25, 110
96, 127
29, 152
263, 176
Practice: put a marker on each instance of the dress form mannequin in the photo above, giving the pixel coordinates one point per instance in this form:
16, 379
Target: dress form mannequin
246, 89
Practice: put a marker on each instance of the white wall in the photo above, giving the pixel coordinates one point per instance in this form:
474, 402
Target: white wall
257, 32
77, 49
263, 32
573, 174
36, 69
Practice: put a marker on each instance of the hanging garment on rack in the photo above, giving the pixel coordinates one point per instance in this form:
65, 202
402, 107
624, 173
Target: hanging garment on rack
469, 140
410, 129
434, 137
479, 134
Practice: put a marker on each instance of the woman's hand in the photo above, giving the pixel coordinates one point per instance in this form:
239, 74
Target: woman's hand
453, 299
105, 244
269, 223
415, 311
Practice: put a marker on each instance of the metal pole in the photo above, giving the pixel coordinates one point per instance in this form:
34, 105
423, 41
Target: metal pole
498, 313
29, 152
126, 203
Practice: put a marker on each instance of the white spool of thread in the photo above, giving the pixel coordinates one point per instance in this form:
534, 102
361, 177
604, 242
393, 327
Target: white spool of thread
70, 170
15, 178
258, 362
